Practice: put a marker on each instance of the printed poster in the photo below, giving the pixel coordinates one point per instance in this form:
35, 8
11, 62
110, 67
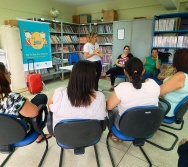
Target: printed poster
35, 40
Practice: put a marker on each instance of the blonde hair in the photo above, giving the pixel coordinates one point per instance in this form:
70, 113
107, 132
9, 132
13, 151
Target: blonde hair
91, 35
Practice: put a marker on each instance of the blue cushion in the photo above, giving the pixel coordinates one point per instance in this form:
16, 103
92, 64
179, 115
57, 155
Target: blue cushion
121, 76
169, 120
121, 136
30, 138
70, 147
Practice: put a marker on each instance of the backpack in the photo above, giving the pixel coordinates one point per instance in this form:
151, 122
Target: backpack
164, 56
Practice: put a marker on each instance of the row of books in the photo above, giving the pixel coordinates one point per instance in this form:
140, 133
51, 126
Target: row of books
54, 27
105, 39
70, 48
171, 41
56, 48
107, 59
55, 39
106, 49
105, 28
69, 39
167, 24
82, 39
84, 29
70, 29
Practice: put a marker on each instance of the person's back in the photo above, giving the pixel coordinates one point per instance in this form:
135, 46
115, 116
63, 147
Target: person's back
175, 88
130, 97
79, 99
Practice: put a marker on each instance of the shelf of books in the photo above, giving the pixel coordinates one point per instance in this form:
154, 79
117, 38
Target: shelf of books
170, 32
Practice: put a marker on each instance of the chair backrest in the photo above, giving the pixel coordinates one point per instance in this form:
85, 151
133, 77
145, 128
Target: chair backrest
141, 121
73, 58
78, 133
12, 129
181, 108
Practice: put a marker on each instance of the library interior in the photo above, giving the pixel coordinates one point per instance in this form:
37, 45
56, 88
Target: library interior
94, 83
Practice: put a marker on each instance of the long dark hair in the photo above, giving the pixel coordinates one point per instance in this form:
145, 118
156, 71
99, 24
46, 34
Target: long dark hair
134, 68
81, 83
4, 87
180, 61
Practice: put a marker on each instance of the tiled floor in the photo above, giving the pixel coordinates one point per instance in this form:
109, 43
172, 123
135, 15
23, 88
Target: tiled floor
125, 154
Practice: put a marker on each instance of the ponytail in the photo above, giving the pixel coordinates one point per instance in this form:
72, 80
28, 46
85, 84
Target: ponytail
134, 68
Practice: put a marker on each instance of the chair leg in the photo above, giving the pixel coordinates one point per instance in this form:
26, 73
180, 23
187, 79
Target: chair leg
46, 150
145, 155
96, 155
61, 157
7, 158
181, 127
109, 151
163, 148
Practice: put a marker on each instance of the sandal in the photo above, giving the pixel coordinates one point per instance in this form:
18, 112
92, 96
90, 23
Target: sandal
111, 89
114, 138
41, 138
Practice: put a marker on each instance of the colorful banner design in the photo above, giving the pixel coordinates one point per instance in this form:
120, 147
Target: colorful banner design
35, 40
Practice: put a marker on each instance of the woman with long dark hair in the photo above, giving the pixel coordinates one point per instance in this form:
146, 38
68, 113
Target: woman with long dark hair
137, 92
79, 99
15, 104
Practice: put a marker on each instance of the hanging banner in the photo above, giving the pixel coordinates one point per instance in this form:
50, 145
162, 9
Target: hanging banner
35, 40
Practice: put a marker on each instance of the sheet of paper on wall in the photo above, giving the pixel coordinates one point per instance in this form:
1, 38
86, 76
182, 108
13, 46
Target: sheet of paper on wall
3, 57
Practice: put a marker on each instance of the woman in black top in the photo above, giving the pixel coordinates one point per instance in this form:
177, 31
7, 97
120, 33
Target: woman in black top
119, 68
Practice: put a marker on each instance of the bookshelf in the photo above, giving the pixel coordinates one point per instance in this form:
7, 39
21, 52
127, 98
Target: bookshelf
170, 32
69, 38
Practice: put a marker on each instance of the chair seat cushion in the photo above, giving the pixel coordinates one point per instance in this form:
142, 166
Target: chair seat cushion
30, 138
121, 136
70, 147
169, 120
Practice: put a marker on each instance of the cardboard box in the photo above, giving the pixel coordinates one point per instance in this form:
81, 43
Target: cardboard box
76, 19
110, 15
11, 22
85, 18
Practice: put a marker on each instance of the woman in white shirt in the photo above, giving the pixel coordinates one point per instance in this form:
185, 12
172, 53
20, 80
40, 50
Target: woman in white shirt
79, 99
137, 92
94, 54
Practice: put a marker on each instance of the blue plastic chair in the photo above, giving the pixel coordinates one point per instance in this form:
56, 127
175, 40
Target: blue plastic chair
13, 132
179, 112
133, 126
76, 134
73, 58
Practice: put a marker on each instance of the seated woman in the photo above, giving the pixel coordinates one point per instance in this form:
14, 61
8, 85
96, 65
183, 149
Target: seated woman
79, 99
120, 63
151, 64
137, 92
16, 104
183, 153
175, 87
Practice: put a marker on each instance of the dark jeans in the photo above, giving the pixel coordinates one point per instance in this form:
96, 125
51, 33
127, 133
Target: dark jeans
98, 67
183, 155
113, 72
147, 75
38, 100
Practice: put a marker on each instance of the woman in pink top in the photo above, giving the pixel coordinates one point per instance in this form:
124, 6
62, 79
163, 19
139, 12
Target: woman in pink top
79, 99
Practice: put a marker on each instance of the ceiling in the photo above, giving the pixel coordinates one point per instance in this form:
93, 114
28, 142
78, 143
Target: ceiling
81, 2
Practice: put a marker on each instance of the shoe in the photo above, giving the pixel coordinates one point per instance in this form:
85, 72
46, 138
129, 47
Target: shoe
41, 138
111, 89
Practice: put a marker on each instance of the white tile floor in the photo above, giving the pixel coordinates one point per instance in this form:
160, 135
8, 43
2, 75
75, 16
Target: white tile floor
125, 154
